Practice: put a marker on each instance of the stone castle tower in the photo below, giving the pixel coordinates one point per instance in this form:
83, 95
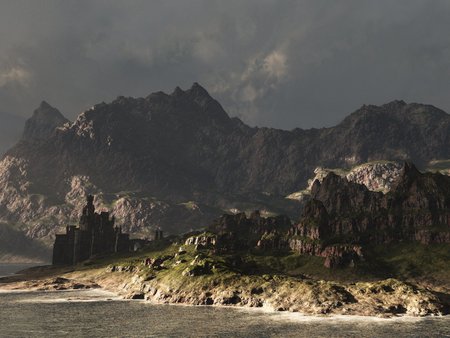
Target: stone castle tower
95, 235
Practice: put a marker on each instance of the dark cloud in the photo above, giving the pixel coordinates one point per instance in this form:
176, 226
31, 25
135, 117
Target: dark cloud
274, 63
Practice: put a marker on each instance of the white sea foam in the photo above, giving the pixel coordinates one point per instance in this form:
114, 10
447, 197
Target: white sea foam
68, 296
298, 317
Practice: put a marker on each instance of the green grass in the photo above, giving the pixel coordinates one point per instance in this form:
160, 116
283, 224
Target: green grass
412, 260
404, 261
306, 266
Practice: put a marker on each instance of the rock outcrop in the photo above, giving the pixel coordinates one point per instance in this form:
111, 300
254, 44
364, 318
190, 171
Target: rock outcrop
343, 216
376, 176
239, 232
19, 204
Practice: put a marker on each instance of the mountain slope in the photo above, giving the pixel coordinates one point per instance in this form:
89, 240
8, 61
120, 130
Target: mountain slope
43, 123
183, 149
184, 143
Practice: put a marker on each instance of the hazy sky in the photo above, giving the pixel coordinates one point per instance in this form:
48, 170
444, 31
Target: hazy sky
272, 63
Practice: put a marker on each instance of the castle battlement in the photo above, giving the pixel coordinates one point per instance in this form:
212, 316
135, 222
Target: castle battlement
95, 234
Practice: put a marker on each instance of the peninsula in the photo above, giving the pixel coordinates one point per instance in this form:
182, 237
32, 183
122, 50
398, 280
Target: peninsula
353, 251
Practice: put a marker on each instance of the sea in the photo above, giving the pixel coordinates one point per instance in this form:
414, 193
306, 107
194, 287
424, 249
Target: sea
95, 313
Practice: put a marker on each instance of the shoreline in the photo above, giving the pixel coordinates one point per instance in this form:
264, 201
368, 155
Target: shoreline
111, 296
129, 286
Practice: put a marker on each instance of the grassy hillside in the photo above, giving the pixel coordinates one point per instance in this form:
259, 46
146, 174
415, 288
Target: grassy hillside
175, 273
413, 262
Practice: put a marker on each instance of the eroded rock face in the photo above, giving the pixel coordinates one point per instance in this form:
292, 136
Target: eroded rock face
20, 205
17, 202
343, 216
342, 255
238, 232
378, 176
375, 176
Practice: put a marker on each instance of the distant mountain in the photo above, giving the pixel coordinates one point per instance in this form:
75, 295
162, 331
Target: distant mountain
184, 150
11, 128
43, 123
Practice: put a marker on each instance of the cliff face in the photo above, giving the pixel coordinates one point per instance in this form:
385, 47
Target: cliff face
181, 151
343, 219
239, 232
378, 176
345, 216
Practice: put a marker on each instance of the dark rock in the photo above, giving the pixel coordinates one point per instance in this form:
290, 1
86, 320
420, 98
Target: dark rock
136, 295
256, 290
197, 270
342, 217
78, 286
60, 280
43, 123
183, 147
237, 232
233, 300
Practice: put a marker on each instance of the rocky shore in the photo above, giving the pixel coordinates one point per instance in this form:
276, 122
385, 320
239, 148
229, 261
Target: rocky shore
182, 275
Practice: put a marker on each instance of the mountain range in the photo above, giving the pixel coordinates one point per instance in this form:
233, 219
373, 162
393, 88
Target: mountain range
178, 160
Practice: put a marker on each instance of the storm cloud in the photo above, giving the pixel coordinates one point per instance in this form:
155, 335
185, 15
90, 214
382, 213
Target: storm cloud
281, 64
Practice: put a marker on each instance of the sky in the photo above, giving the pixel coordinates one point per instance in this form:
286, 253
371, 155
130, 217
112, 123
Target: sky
282, 64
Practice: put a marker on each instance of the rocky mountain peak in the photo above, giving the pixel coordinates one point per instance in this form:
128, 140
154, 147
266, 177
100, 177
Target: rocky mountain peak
43, 122
197, 90
177, 92
46, 111
395, 104
45, 105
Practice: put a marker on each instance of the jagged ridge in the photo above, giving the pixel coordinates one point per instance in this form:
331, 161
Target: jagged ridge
184, 147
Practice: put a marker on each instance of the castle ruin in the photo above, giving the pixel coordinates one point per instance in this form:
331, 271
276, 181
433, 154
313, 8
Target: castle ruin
95, 235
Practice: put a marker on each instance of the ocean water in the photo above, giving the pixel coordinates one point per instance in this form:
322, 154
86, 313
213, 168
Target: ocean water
100, 314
